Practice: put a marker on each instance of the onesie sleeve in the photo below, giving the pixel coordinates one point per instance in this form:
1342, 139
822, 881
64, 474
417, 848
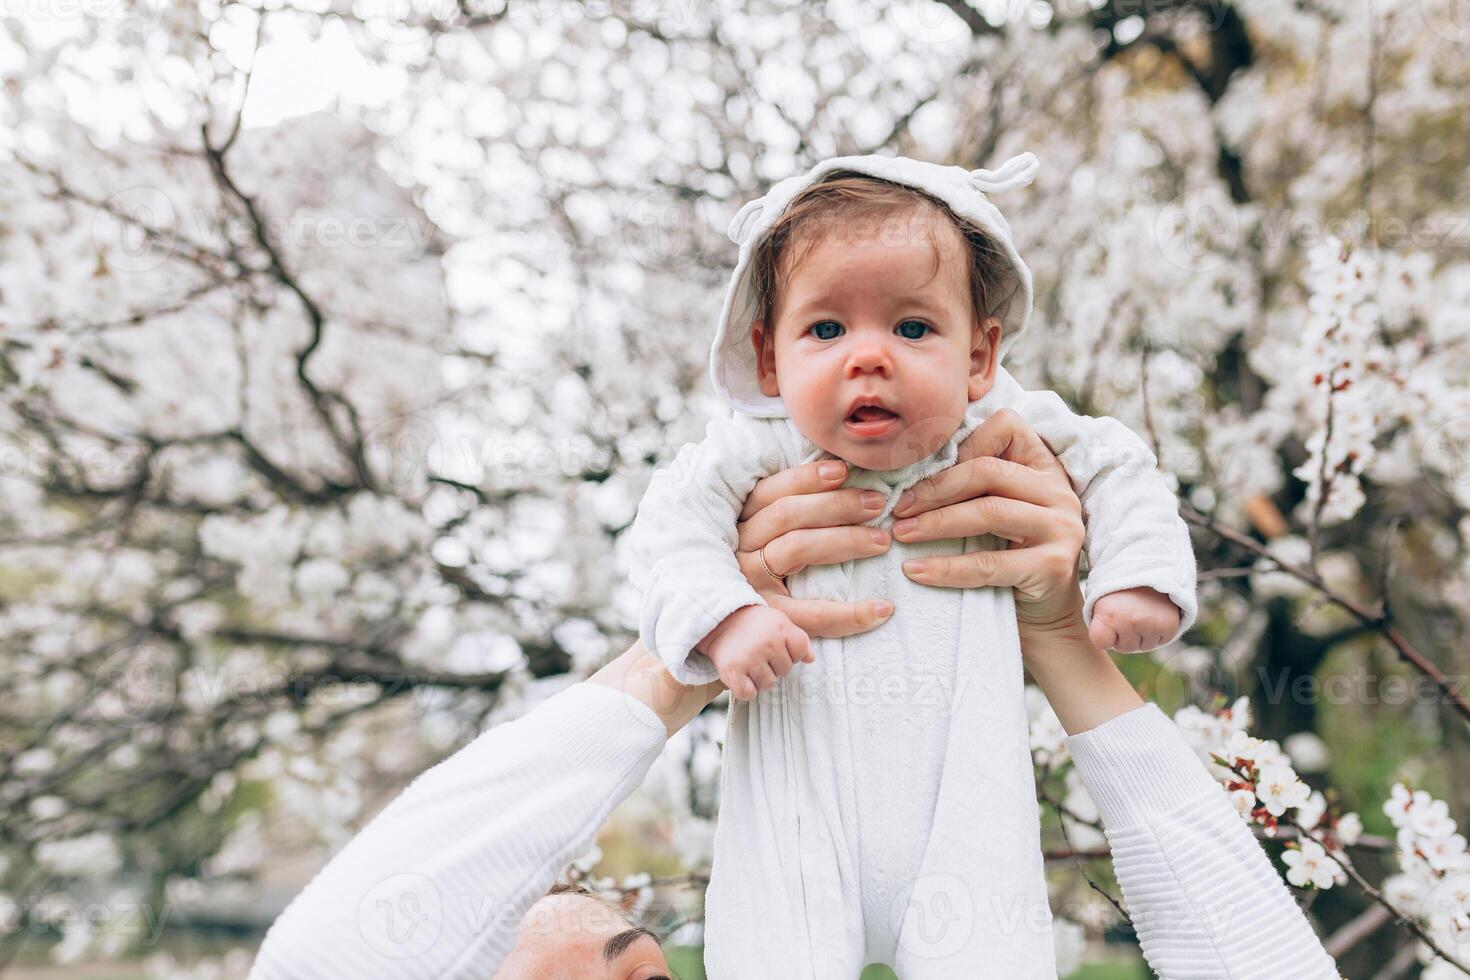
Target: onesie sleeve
436, 885
683, 539
1202, 894
1134, 535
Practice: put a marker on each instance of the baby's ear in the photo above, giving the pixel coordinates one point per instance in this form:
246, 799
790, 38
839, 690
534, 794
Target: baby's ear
984, 356
988, 332
765, 358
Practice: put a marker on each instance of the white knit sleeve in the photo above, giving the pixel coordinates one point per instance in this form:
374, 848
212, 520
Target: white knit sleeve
1134, 535
437, 883
683, 541
1203, 895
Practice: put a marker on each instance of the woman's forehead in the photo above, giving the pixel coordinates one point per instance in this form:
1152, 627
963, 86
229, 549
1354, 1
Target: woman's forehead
570, 914
577, 935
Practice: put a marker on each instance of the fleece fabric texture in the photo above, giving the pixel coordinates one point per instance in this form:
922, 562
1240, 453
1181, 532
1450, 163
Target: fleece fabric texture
437, 884
852, 788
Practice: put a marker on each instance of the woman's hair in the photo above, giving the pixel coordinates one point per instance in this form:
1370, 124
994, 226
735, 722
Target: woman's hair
845, 198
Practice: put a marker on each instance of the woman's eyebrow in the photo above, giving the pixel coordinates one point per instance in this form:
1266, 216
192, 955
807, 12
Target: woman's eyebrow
618, 945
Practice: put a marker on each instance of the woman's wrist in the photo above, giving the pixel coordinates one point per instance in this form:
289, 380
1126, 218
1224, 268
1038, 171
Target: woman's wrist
1082, 684
639, 675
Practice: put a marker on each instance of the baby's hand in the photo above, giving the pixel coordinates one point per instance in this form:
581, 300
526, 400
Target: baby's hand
1133, 620
753, 646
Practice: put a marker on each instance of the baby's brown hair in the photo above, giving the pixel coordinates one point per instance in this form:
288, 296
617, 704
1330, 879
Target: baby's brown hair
845, 196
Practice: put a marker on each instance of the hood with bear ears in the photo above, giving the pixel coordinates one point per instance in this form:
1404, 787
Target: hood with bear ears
732, 358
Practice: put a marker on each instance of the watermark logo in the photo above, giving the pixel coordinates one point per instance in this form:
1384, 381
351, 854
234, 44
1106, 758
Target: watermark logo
1198, 237
401, 917
396, 452
138, 16
135, 229
1447, 911
1445, 458
927, 21
1450, 19
936, 918
136, 685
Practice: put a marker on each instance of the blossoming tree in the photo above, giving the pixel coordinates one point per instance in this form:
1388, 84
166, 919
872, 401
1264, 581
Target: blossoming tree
317, 432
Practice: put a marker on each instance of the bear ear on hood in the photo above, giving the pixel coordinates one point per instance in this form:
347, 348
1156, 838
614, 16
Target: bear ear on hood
745, 219
1018, 171
732, 360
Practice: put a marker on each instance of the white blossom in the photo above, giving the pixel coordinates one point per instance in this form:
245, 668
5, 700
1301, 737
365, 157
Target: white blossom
1399, 801
1244, 801
1309, 866
1048, 737
588, 860
1279, 789
1349, 829
1310, 813
1430, 818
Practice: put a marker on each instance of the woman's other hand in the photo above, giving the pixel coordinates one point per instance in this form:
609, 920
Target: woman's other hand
1009, 484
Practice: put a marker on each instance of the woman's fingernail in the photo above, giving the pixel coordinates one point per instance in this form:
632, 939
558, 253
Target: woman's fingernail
882, 609
916, 566
905, 500
830, 470
879, 535
872, 499
906, 525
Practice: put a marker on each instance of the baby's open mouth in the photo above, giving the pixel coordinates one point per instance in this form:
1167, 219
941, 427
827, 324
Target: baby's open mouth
871, 413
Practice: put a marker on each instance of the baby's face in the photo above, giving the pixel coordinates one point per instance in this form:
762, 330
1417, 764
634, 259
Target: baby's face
871, 317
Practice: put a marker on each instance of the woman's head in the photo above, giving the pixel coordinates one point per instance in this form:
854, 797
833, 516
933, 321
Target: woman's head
868, 288
576, 934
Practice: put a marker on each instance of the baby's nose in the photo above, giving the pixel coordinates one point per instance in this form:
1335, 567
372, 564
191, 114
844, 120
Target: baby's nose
868, 357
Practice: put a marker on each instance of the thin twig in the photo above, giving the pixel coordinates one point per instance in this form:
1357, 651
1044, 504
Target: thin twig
1377, 622
1346, 863
1323, 481
1062, 814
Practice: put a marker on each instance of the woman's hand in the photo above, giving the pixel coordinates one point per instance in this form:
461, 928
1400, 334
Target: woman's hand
804, 516
1009, 484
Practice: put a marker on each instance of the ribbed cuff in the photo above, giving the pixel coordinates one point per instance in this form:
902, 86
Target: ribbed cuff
1137, 767
607, 728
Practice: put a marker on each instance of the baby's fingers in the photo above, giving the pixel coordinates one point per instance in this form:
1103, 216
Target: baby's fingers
1103, 636
799, 646
740, 685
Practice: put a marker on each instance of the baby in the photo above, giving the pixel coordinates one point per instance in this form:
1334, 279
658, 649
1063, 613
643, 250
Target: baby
878, 801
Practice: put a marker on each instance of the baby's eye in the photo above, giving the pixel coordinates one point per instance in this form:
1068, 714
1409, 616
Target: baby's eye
822, 330
903, 329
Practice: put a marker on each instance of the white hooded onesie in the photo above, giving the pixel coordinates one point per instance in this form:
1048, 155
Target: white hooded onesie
879, 804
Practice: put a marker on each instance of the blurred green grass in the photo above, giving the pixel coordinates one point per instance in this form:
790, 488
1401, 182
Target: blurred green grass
687, 963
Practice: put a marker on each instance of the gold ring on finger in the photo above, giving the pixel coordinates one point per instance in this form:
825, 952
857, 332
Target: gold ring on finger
761, 554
